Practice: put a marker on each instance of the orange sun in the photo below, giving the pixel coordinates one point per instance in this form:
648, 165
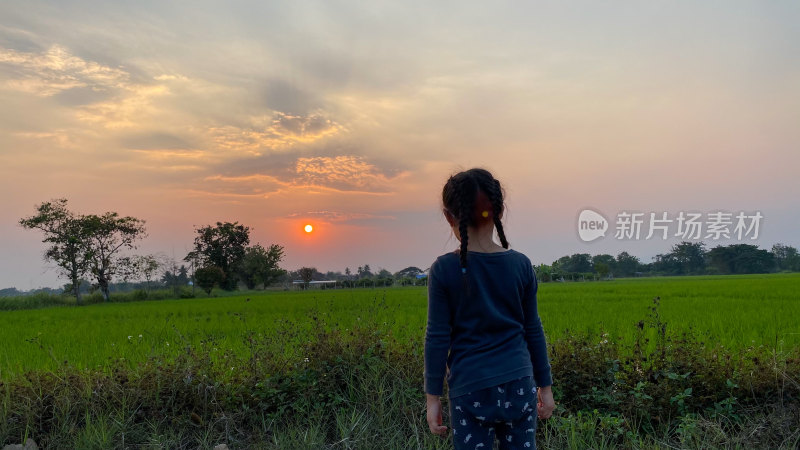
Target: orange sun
308, 228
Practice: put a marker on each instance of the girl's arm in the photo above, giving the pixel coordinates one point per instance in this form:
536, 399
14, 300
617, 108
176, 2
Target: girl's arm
434, 406
437, 333
545, 405
534, 334
437, 345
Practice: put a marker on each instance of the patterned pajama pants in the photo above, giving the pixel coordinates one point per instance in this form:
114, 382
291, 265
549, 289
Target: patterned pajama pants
507, 411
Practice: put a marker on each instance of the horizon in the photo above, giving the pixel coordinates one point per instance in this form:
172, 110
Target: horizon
351, 117
375, 270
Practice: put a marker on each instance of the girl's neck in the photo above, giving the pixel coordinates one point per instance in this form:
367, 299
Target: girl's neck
480, 240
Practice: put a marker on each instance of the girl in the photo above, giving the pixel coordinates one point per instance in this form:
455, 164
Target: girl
484, 327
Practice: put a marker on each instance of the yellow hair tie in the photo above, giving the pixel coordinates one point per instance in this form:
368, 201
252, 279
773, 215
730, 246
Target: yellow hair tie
485, 214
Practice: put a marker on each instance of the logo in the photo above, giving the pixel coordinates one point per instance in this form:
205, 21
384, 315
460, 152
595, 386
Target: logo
631, 225
591, 225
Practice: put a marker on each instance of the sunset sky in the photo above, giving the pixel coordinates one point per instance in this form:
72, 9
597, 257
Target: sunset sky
350, 116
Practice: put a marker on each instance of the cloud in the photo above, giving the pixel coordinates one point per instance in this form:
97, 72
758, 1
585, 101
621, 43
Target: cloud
251, 185
55, 70
278, 132
171, 77
294, 171
284, 96
59, 138
166, 121
339, 216
96, 94
343, 173
165, 155
130, 109
304, 128
156, 140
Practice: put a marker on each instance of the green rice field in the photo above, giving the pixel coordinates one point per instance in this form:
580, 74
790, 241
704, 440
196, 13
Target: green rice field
736, 311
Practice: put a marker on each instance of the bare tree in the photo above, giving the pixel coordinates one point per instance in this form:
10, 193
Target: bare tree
106, 236
306, 274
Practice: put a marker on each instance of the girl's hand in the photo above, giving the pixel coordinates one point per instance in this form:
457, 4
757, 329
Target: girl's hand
435, 415
546, 404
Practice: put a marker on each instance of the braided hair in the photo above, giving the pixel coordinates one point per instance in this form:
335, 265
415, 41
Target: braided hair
472, 198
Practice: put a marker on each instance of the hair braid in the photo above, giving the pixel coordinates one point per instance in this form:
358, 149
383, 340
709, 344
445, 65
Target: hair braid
461, 195
500, 233
495, 192
466, 204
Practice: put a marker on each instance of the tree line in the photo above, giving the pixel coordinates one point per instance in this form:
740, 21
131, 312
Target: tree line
362, 277
95, 246
684, 258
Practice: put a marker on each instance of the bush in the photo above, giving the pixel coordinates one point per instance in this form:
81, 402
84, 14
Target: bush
659, 384
35, 301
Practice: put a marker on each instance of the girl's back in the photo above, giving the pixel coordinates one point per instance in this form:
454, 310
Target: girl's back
481, 323
484, 332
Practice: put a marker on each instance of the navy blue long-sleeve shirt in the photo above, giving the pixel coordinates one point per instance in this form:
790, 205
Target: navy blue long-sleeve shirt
489, 337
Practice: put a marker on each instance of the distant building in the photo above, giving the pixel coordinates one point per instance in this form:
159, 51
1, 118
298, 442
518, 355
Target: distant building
318, 284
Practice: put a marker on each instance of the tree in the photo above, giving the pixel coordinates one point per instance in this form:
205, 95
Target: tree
306, 274
260, 265
208, 276
578, 263
602, 269
544, 273
223, 246
741, 258
606, 259
348, 276
581, 262
690, 257
66, 235
106, 236
11, 292
666, 264
683, 259
175, 277
786, 257
182, 279
409, 272
334, 275
722, 259
139, 267
384, 277
364, 272
627, 264
194, 262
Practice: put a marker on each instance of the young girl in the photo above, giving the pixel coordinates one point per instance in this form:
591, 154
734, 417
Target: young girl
483, 327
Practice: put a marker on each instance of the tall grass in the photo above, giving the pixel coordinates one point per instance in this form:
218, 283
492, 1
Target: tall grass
683, 362
737, 312
358, 386
45, 300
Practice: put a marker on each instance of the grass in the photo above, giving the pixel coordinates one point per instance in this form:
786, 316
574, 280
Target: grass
713, 363
735, 311
359, 388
